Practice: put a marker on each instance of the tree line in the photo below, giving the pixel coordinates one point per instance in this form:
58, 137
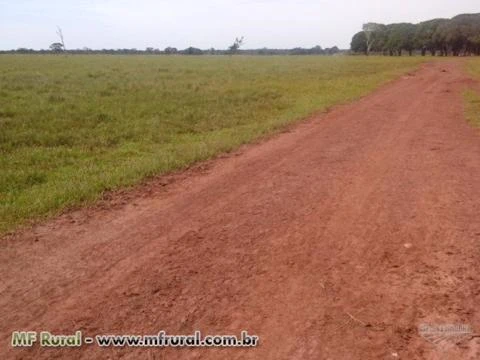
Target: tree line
457, 36
56, 49
59, 47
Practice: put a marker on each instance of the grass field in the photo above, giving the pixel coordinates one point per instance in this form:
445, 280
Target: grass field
72, 127
472, 97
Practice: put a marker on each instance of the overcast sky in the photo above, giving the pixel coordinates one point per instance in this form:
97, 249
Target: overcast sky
208, 23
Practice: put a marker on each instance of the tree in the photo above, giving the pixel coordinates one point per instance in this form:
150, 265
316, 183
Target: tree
474, 42
400, 37
192, 51
236, 45
372, 34
425, 35
57, 47
359, 43
332, 51
170, 50
462, 32
408, 37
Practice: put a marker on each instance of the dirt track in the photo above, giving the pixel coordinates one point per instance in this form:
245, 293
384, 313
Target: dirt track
335, 240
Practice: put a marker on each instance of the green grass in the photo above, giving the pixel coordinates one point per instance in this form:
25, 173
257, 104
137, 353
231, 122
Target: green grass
472, 98
72, 127
473, 67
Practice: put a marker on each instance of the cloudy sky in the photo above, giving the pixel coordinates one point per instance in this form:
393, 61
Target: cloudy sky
207, 23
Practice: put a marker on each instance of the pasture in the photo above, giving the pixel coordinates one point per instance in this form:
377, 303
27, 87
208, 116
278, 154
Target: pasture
72, 127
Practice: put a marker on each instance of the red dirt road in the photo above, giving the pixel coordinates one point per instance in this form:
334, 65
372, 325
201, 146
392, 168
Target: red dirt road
335, 240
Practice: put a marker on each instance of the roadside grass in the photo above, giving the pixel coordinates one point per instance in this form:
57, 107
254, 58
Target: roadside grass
473, 67
72, 127
472, 98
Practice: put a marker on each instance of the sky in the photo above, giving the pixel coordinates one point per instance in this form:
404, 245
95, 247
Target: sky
209, 23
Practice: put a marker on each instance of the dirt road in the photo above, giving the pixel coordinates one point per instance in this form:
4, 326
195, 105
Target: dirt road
334, 240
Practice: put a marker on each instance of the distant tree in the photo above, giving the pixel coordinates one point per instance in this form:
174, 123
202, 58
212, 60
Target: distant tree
170, 50
359, 43
236, 45
57, 47
192, 51
408, 37
372, 32
317, 50
439, 39
474, 43
425, 35
25, 51
461, 34
332, 51
395, 39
